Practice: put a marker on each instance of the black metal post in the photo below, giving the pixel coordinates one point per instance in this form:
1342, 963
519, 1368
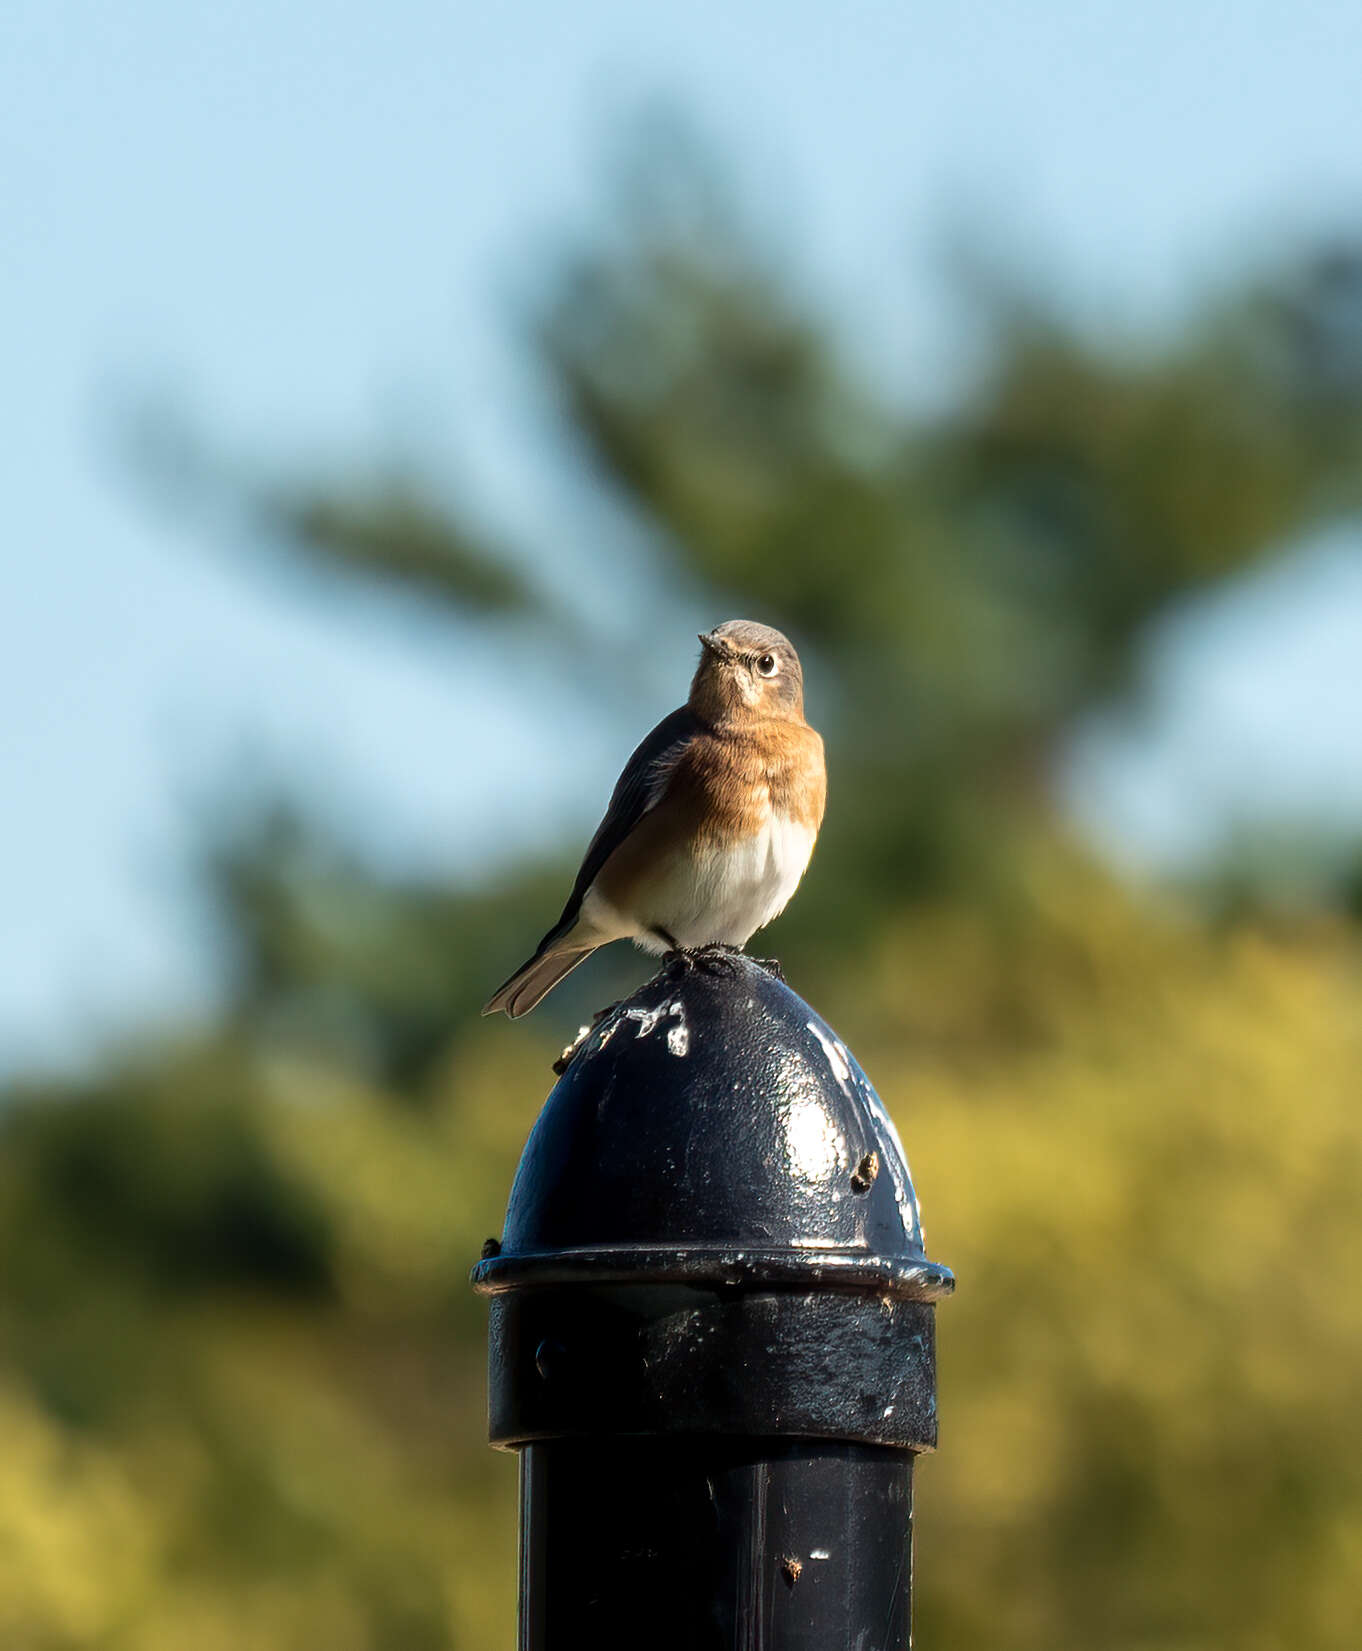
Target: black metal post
712, 1335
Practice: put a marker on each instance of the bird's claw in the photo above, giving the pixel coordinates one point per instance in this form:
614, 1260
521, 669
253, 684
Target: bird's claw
718, 957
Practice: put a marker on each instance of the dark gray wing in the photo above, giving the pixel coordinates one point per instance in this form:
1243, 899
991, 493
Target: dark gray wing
629, 802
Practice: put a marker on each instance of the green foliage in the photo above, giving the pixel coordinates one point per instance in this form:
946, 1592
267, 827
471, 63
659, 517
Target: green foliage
1147, 1374
242, 1397
397, 533
1137, 1145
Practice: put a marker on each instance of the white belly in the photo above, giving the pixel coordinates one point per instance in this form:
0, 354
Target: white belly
726, 895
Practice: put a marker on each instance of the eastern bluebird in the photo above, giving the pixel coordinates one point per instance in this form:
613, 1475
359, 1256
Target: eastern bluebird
710, 826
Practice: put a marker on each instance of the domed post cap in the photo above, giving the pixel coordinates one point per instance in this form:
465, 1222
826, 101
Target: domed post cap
713, 1229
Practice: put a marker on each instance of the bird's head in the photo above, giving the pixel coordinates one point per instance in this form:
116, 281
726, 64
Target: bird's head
747, 671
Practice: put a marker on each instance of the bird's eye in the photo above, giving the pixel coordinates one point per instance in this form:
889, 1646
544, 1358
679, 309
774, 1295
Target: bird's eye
766, 665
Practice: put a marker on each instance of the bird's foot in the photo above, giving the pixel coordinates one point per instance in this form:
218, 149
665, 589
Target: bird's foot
772, 967
716, 958
681, 960
573, 1049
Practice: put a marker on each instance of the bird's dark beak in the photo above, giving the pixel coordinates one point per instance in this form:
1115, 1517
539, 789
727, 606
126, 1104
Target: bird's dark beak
715, 645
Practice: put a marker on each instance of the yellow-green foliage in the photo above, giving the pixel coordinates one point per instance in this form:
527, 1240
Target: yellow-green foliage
1149, 1374
1138, 1144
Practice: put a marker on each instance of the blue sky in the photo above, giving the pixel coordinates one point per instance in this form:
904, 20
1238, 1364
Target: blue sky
302, 221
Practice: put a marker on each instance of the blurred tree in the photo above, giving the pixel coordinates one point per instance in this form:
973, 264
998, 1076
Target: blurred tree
980, 577
242, 1394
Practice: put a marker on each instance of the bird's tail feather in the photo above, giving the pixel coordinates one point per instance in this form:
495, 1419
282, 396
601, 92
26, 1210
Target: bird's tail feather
534, 980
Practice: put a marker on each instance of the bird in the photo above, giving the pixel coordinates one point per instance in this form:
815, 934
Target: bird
710, 827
